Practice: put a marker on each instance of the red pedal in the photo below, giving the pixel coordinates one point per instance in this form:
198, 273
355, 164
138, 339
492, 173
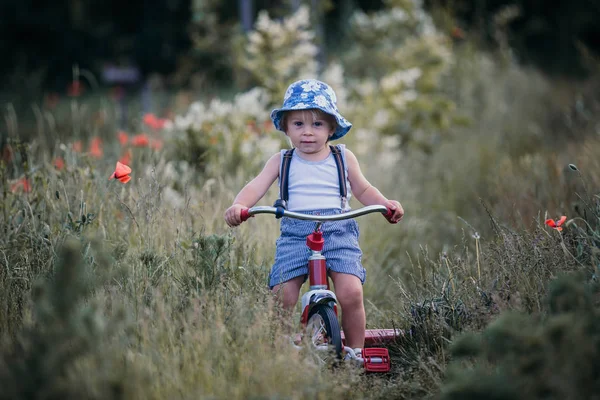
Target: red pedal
377, 359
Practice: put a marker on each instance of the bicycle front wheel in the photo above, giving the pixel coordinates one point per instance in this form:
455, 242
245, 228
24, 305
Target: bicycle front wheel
324, 329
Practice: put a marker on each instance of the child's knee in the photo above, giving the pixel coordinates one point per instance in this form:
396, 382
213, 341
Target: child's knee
349, 292
351, 298
288, 292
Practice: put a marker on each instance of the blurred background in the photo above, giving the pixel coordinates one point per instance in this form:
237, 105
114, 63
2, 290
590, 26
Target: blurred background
481, 116
43, 40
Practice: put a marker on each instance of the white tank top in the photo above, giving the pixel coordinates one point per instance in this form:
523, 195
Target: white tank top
314, 185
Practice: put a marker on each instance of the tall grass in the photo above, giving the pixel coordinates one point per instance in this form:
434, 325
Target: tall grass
139, 290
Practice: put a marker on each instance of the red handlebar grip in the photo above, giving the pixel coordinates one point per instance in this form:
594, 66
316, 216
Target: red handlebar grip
244, 215
388, 215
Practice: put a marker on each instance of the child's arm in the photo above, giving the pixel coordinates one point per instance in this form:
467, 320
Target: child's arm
253, 191
366, 193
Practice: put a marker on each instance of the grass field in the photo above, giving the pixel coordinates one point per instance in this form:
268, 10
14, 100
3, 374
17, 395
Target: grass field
140, 290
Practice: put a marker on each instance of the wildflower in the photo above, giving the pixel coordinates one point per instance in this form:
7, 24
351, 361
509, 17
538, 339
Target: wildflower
123, 138
556, 224
140, 140
149, 119
75, 89
23, 184
77, 146
59, 163
121, 173
126, 157
96, 147
153, 122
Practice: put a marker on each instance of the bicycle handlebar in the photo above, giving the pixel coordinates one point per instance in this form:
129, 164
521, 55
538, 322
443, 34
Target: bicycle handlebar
249, 212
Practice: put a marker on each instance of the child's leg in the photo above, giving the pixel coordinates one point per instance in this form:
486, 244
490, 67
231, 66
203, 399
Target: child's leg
288, 292
349, 292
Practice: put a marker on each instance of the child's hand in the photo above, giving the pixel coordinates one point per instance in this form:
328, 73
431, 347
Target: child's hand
398, 211
232, 215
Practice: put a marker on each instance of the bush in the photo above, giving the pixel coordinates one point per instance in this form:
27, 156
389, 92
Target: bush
523, 357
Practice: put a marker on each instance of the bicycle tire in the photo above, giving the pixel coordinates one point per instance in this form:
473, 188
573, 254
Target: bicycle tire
331, 325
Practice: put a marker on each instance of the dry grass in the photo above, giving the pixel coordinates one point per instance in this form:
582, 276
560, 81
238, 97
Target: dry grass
140, 291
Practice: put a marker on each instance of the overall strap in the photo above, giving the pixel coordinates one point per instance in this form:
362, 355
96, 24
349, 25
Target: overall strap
281, 203
339, 162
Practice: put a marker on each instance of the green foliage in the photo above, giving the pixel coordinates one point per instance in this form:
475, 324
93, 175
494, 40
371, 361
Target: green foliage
397, 91
65, 329
208, 264
585, 227
520, 357
210, 36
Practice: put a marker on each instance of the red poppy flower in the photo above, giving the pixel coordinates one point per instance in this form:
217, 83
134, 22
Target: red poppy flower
121, 173
149, 119
75, 89
123, 138
59, 163
140, 140
96, 147
23, 184
556, 224
154, 122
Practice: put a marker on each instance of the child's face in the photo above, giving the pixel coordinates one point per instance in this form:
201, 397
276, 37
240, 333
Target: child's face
309, 130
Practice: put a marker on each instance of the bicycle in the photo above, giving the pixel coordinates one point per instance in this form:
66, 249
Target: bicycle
319, 304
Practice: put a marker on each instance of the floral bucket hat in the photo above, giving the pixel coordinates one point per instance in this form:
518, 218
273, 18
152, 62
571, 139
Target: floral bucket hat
309, 94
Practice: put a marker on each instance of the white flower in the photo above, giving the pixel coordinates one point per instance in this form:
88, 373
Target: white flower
381, 118
331, 94
246, 148
300, 105
269, 145
252, 103
173, 198
321, 101
306, 49
311, 86
405, 78
399, 102
399, 15
170, 172
410, 95
288, 93
366, 88
182, 123
169, 126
